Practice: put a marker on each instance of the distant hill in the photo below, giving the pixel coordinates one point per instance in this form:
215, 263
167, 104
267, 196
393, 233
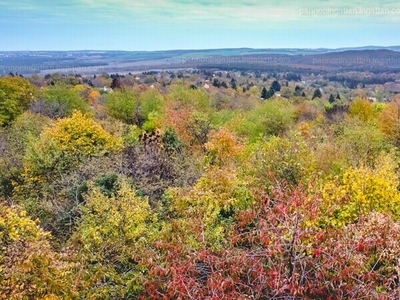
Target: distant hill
97, 61
393, 48
357, 60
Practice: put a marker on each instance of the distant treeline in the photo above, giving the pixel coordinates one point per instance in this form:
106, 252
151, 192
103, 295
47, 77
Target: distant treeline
255, 67
352, 82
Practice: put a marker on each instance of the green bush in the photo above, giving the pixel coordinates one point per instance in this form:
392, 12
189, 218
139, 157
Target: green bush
59, 101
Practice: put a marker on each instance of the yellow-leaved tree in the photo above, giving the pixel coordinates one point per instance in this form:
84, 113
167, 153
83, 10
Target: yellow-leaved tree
223, 147
281, 159
64, 145
361, 191
114, 232
29, 267
205, 211
60, 149
389, 120
362, 109
15, 95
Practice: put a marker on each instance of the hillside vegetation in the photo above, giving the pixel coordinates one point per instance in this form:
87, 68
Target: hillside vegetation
192, 186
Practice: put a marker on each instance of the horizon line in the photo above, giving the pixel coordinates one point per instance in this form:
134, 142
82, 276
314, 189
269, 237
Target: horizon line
205, 49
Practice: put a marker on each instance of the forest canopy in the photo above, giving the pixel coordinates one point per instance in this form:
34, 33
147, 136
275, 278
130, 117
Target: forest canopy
171, 186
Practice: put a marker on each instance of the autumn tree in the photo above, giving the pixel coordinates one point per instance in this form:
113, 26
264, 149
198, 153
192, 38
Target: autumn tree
189, 113
362, 109
29, 266
67, 142
361, 191
16, 94
61, 148
361, 142
281, 159
123, 105
14, 141
59, 101
204, 212
272, 117
157, 161
151, 109
113, 233
389, 121
93, 96
223, 147
259, 259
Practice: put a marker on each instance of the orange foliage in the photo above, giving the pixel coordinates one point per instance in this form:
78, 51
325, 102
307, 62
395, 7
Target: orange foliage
178, 119
93, 96
223, 146
389, 120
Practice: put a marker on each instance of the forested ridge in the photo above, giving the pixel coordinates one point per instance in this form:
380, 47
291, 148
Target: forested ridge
113, 187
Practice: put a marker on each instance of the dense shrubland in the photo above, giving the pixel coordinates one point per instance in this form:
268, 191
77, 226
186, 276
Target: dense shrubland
177, 191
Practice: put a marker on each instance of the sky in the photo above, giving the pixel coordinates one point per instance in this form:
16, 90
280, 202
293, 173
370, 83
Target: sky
146, 25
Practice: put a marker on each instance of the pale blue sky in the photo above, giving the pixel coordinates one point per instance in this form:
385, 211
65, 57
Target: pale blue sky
182, 24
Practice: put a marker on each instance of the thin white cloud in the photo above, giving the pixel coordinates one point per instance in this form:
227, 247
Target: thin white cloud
248, 11
233, 13
180, 10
